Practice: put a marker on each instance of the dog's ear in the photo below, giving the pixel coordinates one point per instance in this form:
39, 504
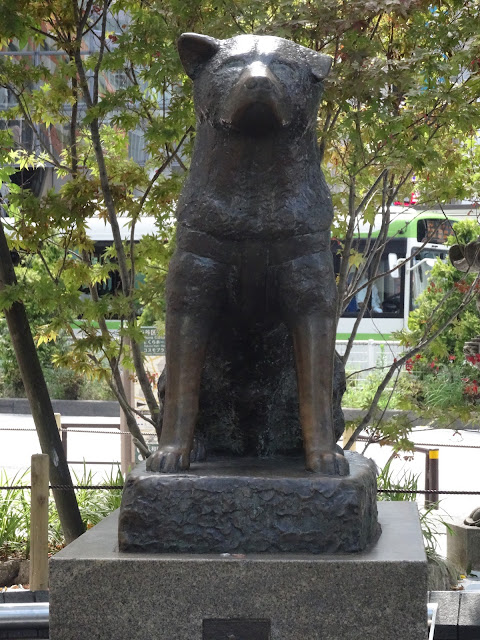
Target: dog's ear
319, 63
195, 50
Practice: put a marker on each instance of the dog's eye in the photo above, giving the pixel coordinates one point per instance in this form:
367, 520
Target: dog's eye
230, 65
282, 67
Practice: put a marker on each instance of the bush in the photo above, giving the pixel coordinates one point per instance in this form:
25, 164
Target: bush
445, 293
94, 505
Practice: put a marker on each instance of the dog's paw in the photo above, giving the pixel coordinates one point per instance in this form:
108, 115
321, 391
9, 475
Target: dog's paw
330, 464
168, 460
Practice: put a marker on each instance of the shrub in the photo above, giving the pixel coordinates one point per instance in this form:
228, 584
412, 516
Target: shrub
94, 505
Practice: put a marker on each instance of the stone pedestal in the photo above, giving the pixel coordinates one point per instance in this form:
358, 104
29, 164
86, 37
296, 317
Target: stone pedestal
250, 506
463, 546
97, 592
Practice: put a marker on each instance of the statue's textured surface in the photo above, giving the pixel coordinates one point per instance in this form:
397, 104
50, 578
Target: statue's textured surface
253, 264
247, 505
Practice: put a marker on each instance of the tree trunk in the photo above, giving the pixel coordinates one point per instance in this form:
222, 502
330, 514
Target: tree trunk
39, 399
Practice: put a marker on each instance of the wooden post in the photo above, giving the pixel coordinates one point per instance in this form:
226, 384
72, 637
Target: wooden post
347, 434
39, 523
127, 451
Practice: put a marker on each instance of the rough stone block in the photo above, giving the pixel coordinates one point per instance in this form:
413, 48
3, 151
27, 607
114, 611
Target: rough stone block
23, 576
97, 592
250, 506
8, 572
463, 546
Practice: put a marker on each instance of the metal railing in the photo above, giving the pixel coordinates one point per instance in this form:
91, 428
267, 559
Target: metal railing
24, 615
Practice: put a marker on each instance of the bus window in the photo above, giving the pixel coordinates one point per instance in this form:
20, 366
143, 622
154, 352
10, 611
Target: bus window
112, 284
386, 299
422, 264
434, 230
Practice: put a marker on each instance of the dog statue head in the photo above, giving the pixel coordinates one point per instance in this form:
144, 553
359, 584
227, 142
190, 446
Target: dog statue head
254, 84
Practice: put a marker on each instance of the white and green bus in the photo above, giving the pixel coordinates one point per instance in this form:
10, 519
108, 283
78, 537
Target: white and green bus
415, 239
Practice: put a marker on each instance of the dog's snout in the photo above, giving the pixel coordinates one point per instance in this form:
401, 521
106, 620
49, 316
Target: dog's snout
257, 103
258, 82
251, 82
258, 76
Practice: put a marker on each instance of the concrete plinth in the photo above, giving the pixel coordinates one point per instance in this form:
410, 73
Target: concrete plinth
97, 592
463, 546
247, 505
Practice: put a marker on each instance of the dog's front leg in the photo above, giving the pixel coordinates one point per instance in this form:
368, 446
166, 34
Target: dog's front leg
307, 296
313, 348
194, 294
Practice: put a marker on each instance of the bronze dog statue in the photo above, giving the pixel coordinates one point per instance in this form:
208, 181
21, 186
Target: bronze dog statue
253, 237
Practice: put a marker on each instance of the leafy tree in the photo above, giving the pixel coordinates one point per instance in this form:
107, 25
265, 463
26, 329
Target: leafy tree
443, 384
37, 393
444, 294
401, 101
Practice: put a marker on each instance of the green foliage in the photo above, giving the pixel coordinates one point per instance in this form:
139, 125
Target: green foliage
443, 391
407, 481
441, 383
13, 520
360, 393
62, 381
446, 292
94, 504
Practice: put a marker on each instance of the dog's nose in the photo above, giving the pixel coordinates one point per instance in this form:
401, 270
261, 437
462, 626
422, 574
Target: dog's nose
258, 76
258, 82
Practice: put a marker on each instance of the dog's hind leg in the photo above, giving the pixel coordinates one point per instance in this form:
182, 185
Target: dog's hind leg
194, 294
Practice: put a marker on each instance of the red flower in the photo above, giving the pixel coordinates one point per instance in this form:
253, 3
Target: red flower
452, 357
472, 389
462, 286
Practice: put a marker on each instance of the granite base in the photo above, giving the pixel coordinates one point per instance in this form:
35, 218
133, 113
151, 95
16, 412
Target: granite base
250, 506
98, 592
